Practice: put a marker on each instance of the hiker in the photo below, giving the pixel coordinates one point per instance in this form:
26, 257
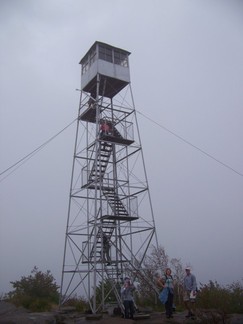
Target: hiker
127, 298
165, 283
104, 128
106, 249
189, 294
91, 102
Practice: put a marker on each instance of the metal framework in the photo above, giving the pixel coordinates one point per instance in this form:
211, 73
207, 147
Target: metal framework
110, 224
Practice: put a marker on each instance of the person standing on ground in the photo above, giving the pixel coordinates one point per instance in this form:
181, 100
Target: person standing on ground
167, 283
190, 291
127, 298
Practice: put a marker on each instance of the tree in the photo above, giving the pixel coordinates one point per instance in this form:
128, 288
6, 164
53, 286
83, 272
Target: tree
158, 260
108, 288
155, 264
36, 292
178, 276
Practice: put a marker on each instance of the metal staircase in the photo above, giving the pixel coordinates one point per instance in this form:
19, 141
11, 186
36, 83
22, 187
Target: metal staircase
99, 167
115, 202
119, 212
107, 230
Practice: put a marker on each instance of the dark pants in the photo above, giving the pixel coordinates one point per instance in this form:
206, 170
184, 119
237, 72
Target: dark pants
129, 308
169, 305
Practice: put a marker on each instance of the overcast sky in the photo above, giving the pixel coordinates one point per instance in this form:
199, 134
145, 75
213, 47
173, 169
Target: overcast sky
186, 68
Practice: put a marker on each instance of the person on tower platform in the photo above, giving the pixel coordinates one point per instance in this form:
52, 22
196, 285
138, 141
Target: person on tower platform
91, 102
106, 249
104, 128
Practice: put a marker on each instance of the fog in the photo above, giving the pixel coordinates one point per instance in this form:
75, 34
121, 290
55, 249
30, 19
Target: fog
186, 68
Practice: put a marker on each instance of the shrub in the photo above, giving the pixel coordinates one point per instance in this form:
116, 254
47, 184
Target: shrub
227, 299
236, 297
37, 292
80, 304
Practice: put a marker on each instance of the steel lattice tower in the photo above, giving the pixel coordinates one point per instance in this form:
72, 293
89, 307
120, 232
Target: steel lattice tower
110, 224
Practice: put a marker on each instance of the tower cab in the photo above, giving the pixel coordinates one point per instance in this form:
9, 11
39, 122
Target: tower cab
105, 70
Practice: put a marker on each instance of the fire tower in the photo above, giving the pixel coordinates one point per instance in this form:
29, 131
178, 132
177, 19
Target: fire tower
110, 224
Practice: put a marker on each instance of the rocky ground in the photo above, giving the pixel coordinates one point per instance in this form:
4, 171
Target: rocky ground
9, 314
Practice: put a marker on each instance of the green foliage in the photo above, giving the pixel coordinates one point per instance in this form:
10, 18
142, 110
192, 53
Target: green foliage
149, 300
106, 288
37, 292
227, 299
80, 304
154, 265
236, 297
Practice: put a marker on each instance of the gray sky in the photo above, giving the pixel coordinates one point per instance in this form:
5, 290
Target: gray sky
187, 74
